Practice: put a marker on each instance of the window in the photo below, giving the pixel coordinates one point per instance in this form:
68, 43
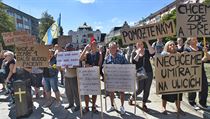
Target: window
18, 16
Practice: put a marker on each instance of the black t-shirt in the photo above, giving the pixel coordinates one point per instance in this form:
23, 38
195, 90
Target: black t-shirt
7, 69
143, 61
180, 49
50, 72
93, 58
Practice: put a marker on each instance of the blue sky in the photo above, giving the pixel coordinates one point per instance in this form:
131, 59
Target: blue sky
100, 14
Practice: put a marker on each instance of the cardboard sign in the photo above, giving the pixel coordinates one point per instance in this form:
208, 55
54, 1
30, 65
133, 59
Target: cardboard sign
89, 81
25, 40
69, 59
32, 56
9, 37
151, 31
178, 73
120, 77
63, 40
193, 20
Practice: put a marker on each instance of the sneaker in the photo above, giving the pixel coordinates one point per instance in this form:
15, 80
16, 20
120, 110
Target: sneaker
196, 107
77, 108
47, 104
57, 104
122, 110
111, 109
69, 106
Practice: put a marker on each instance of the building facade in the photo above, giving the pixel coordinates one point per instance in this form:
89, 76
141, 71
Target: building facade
115, 32
156, 17
23, 21
82, 36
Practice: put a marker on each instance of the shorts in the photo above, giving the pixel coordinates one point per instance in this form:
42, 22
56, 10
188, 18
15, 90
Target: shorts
51, 83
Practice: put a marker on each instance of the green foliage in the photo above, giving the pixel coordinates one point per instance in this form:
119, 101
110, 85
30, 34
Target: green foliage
45, 22
170, 16
207, 2
7, 23
118, 40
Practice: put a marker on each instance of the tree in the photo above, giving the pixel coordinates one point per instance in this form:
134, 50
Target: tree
170, 16
118, 40
207, 1
45, 22
7, 23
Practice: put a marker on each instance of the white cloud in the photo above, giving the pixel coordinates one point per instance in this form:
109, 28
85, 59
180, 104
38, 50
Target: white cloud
98, 25
86, 1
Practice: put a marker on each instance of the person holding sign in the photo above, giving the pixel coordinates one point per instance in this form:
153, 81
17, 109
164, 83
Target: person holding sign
204, 86
51, 80
115, 58
71, 86
170, 48
141, 58
93, 58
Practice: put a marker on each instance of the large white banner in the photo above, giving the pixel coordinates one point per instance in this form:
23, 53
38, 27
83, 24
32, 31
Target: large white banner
89, 81
70, 59
120, 77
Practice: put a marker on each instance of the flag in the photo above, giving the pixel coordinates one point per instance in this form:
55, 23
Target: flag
52, 32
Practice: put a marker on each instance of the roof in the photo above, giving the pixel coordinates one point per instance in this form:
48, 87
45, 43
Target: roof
18, 11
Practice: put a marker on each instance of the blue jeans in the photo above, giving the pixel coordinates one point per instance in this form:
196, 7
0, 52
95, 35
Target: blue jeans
51, 83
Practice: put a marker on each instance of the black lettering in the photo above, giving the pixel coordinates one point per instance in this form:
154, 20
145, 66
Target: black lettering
180, 32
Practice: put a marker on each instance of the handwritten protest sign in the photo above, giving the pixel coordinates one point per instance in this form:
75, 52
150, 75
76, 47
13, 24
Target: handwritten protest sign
9, 37
69, 59
32, 56
151, 31
89, 81
193, 20
63, 40
25, 40
120, 77
178, 73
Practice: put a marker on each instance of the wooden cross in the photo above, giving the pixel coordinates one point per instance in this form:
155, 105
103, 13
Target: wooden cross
20, 94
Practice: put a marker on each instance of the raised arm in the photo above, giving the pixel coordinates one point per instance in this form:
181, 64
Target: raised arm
150, 48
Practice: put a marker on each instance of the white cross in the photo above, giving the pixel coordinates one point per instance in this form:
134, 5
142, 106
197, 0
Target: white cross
20, 93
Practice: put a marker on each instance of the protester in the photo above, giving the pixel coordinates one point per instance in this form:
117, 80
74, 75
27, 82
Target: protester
2, 71
71, 86
115, 58
180, 45
36, 80
58, 49
158, 46
9, 63
93, 58
141, 58
170, 48
51, 81
203, 94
